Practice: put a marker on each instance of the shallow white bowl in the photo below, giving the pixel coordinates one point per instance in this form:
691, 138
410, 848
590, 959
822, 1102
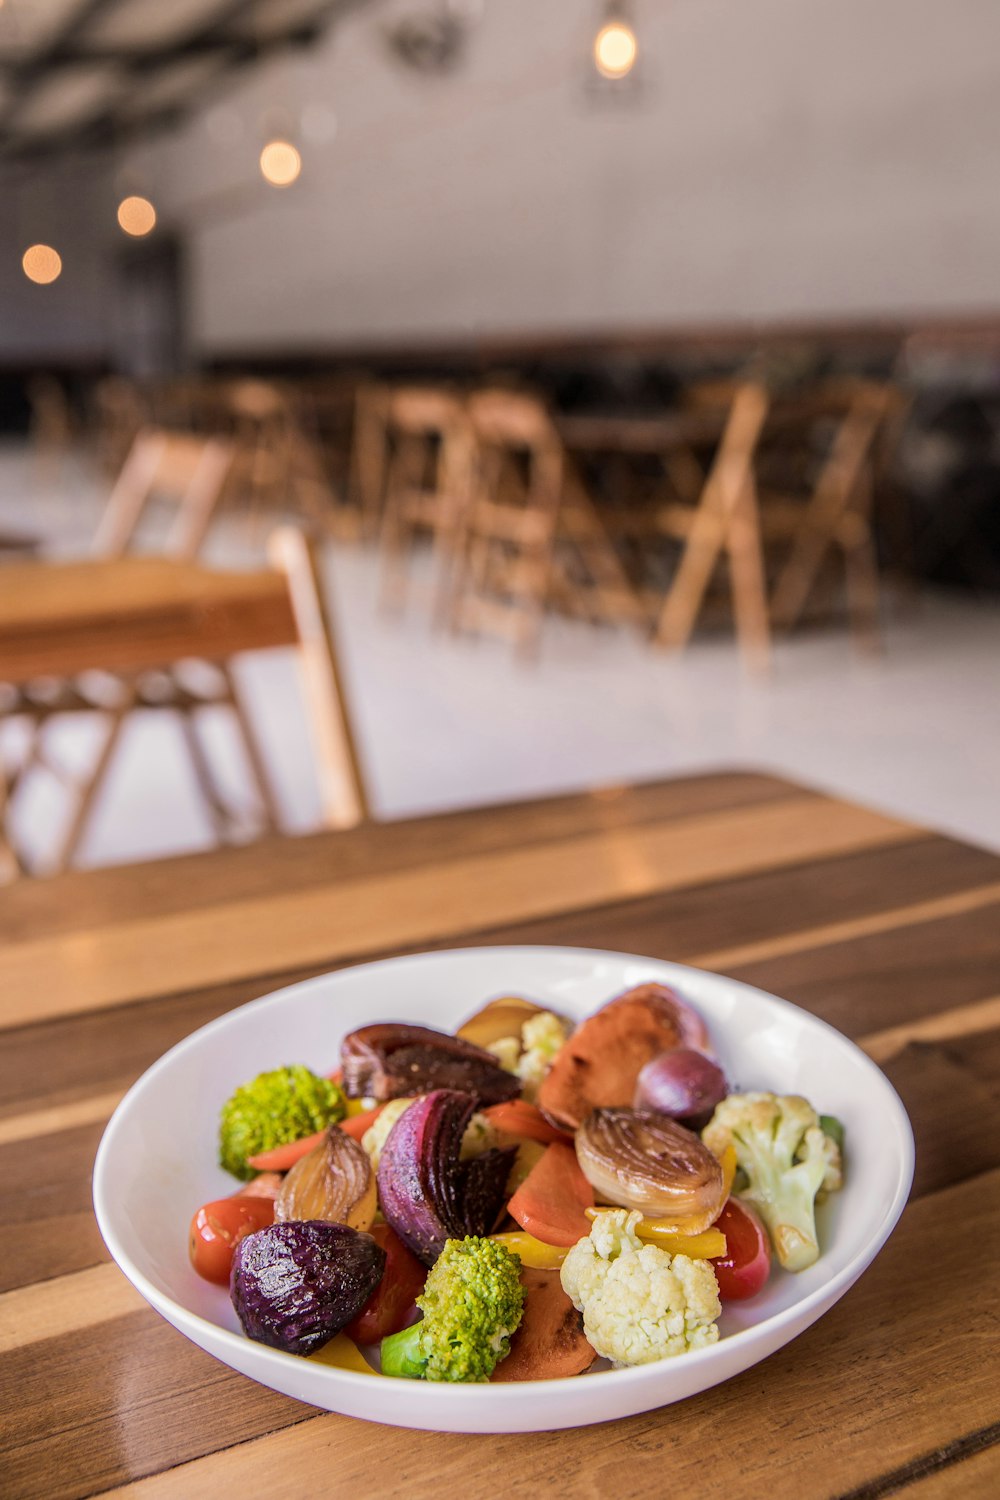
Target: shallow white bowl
156, 1164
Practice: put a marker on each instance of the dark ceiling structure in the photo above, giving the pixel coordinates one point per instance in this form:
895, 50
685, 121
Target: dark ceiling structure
86, 73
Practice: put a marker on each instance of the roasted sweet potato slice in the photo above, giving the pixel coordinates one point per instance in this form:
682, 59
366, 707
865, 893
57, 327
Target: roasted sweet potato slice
549, 1342
599, 1064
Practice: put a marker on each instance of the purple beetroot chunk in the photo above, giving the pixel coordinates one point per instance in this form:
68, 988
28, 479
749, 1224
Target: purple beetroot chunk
295, 1284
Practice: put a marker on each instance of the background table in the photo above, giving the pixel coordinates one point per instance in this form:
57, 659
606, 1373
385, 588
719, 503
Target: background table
889, 932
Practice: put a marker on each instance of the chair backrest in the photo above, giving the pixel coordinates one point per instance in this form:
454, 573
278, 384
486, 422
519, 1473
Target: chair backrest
512, 424
176, 467
429, 424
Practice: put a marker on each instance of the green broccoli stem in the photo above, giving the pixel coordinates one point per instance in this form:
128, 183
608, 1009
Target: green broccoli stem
402, 1354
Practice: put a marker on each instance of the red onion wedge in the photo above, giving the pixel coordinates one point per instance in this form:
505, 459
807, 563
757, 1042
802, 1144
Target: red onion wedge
428, 1194
391, 1060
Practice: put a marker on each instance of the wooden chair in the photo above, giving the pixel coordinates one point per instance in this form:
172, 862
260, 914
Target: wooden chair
427, 486
190, 473
369, 453
833, 518
721, 525
277, 465
52, 429
531, 536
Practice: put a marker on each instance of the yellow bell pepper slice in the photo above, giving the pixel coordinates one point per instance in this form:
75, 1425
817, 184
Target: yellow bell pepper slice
534, 1253
704, 1246
343, 1353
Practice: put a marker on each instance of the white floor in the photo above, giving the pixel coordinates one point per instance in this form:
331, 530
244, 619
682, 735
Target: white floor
448, 723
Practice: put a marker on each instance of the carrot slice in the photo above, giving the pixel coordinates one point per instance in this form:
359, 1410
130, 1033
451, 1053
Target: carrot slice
356, 1125
518, 1117
550, 1341
551, 1200
280, 1158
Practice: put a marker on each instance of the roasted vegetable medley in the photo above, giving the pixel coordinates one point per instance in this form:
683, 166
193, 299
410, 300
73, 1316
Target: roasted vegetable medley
514, 1201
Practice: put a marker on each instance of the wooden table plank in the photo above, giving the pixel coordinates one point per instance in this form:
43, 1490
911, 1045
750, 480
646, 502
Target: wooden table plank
894, 1332
112, 964
893, 933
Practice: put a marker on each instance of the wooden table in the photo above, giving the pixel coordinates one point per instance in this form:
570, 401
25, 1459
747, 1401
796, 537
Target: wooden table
889, 932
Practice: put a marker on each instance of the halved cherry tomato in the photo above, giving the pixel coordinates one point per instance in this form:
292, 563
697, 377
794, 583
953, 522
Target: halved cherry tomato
746, 1265
217, 1229
390, 1307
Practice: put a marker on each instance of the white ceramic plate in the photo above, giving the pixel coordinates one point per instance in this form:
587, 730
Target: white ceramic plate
156, 1164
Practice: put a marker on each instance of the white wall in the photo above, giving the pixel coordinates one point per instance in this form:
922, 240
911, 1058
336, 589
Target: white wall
784, 159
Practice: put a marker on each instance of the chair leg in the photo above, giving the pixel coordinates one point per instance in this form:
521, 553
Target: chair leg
746, 564
687, 592
216, 808
72, 838
255, 759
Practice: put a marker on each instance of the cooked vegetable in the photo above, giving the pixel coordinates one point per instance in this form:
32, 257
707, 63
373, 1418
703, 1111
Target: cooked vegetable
534, 1254
471, 1303
639, 1303
358, 1124
704, 1246
264, 1185
275, 1108
518, 1117
787, 1160
217, 1229
684, 1084
647, 1162
389, 1060
498, 1019
295, 1285
744, 1267
283, 1158
428, 1193
601, 1062
550, 1342
479, 1135
334, 1182
551, 1200
391, 1305
542, 1038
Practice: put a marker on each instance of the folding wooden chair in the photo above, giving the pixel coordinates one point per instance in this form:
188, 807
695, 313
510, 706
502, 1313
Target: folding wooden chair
190, 473
531, 536
369, 453
277, 463
428, 484
722, 525
835, 517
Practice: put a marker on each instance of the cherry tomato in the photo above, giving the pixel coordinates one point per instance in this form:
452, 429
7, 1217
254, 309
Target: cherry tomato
217, 1229
390, 1307
745, 1267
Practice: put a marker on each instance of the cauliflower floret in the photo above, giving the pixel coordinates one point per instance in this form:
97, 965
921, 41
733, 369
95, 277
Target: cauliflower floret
788, 1162
507, 1051
541, 1038
529, 1056
479, 1136
639, 1303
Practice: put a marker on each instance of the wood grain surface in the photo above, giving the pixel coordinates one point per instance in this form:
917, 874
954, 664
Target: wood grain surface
887, 931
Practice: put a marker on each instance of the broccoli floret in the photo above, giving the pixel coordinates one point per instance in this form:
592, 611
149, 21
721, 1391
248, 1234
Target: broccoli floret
277, 1107
472, 1302
787, 1159
639, 1303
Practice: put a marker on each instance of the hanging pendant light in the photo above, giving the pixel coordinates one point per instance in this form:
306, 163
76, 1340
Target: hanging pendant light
42, 264
615, 45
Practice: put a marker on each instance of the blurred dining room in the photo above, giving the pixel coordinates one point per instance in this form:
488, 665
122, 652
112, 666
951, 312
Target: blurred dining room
450, 434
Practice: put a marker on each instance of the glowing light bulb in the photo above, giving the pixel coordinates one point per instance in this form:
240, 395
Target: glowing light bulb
280, 163
41, 264
137, 216
615, 49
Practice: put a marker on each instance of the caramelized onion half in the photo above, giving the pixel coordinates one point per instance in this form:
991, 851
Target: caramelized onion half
334, 1182
642, 1160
